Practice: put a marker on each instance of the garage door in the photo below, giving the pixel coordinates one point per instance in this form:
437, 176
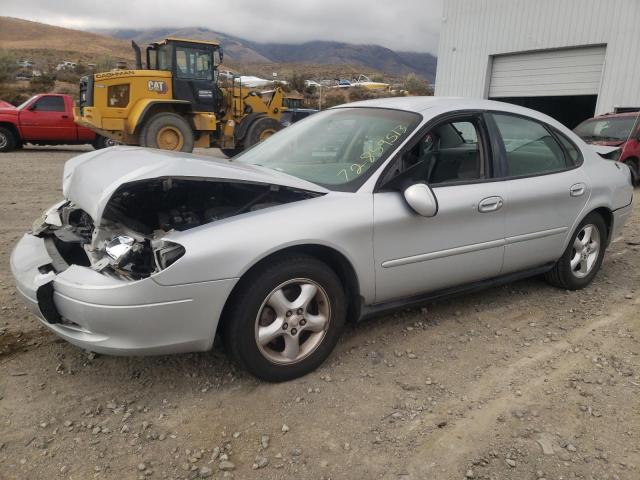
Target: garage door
571, 71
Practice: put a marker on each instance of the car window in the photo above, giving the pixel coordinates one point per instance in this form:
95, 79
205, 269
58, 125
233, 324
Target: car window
530, 147
572, 151
50, 103
449, 152
605, 129
193, 63
338, 148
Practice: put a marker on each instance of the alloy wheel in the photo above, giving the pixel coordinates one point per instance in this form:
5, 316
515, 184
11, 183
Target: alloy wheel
586, 249
292, 321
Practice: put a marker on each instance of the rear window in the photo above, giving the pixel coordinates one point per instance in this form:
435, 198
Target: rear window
530, 147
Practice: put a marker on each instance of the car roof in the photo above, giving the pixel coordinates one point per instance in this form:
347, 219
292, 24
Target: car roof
616, 115
423, 106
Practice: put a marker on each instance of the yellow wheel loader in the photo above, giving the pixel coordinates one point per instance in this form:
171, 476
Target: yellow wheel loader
176, 102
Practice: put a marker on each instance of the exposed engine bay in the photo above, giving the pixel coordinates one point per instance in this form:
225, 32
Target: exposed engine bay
128, 240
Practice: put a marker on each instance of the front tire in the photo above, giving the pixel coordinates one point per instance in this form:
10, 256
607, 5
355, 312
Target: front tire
582, 259
286, 318
8, 140
168, 131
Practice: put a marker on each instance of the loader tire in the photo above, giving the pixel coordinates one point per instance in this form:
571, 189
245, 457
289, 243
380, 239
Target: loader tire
260, 130
167, 131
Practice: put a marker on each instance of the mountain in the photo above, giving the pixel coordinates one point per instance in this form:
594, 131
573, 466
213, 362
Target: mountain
34, 38
241, 51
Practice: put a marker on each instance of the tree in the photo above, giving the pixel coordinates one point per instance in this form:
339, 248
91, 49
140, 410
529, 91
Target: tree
416, 85
43, 83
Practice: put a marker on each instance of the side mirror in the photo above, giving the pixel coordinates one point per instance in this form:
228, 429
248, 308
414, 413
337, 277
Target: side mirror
33, 106
421, 199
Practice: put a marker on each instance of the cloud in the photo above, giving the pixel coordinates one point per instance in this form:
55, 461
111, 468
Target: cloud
401, 25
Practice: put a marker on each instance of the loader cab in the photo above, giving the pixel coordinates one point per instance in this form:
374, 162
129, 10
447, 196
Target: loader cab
194, 69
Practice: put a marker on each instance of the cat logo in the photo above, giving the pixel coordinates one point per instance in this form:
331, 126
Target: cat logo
157, 86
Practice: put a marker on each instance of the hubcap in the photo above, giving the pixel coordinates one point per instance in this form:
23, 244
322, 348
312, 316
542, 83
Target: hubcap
109, 142
586, 249
169, 138
292, 321
3, 141
266, 134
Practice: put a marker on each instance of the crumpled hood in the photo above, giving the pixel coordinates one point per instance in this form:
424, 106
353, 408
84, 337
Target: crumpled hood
90, 180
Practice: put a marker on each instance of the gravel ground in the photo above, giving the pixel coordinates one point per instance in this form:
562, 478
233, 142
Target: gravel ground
519, 382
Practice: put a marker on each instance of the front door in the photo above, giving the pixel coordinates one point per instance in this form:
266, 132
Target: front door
464, 241
47, 119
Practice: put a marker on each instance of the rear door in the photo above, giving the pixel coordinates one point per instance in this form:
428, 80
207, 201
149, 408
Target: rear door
46, 118
545, 190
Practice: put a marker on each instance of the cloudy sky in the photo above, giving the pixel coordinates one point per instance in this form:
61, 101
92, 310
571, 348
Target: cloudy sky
398, 24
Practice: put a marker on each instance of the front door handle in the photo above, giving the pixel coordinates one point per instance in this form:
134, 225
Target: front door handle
490, 204
577, 189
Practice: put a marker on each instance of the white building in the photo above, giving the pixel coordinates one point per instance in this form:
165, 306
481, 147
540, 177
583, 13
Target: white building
567, 58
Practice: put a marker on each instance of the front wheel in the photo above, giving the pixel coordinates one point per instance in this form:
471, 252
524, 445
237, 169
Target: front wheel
286, 318
582, 259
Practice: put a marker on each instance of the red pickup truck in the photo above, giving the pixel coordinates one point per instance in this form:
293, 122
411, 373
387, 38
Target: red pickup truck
45, 119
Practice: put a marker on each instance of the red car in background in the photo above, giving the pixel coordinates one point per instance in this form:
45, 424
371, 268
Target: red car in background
616, 130
45, 119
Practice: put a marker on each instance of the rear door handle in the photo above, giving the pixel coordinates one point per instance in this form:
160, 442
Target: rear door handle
577, 189
65, 116
490, 204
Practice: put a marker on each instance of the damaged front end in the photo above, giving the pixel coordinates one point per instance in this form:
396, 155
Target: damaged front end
127, 242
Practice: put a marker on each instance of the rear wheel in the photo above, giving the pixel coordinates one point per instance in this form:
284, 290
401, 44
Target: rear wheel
8, 140
261, 129
582, 259
167, 131
286, 318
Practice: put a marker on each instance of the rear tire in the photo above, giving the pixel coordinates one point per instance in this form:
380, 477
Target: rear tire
303, 300
580, 262
261, 129
167, 131
634, 166
8, 140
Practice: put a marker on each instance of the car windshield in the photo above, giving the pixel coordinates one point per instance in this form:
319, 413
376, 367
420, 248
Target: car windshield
606, 129
338, 148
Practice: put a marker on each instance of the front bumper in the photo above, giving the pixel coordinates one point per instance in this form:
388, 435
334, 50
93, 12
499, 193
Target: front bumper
112, 316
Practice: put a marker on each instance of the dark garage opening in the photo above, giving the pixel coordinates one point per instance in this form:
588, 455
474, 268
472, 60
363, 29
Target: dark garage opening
569, 110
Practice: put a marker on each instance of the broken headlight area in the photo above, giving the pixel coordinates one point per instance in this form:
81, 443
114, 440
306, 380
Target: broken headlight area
128, 241
72, 239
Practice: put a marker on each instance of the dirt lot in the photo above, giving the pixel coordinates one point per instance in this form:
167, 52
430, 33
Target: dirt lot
519, 382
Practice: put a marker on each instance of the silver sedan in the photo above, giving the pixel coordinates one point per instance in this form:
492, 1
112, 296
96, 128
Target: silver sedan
352, 212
